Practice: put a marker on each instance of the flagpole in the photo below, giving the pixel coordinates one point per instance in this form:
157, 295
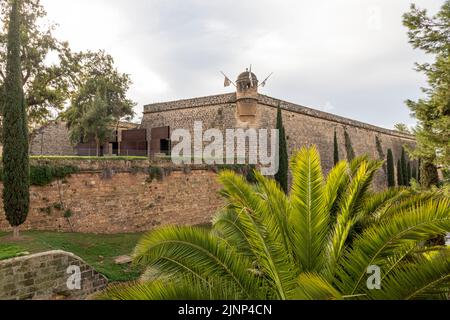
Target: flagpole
228, 79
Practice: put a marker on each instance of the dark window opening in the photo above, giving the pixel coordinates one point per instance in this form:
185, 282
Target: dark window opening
164, 146
115, 148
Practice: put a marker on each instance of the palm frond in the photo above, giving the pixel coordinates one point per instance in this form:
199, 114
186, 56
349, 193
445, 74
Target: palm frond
404, 202
226, 225
349, 212
262, 231
337, 182
428, 280
315, 287
278, 207
190, 251
379, 200
383, 240
309, 219
184, 288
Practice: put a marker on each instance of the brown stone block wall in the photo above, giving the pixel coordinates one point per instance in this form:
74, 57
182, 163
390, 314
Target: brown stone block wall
52, 139
303, 130
45, 276
122, 203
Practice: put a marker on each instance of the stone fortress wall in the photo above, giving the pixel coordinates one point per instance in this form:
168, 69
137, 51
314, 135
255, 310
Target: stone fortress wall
108, 197
127, 201
304, 126
52, 139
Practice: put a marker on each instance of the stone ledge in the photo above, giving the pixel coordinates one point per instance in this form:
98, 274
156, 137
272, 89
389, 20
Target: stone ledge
190, 103
39, 255
288, 106
230, 98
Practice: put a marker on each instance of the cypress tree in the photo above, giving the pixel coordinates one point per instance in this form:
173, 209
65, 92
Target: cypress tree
380, 151
282, 174
336, 149
419, 172
400, 180
390, 169
16, 195
414, 172
409, 174
349, 147
404, 168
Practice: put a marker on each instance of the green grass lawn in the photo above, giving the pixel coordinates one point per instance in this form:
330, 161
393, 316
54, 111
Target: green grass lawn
98, 251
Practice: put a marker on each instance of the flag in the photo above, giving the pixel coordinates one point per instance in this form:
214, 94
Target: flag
227, 82
263, 84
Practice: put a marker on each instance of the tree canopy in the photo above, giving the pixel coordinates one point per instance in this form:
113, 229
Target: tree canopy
49, 67
101, 100
53, 75
15, 176
431, 34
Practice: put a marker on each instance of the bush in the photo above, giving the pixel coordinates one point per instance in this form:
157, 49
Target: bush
390, 169
68, 213
46, 174
156, 173
349, 147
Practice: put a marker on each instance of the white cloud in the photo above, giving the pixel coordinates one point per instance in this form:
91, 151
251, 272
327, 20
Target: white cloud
353, 52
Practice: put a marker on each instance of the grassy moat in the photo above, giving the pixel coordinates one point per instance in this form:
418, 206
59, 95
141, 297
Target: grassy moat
99, 251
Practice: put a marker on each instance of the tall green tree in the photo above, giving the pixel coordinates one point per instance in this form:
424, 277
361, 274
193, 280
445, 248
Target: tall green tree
16, 180
101, 101
349, 147
404, 167
403, 128
95, 123
419, 171
390, 169
47, 83
414, 173
409, 172
318, 243
380, 152
336, 149
431, 34
282, 175
400, 177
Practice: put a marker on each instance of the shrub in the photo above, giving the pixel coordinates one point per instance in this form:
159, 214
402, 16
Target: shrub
336, 149
390, 169
349, 147
155, 173
68, 213
45, 174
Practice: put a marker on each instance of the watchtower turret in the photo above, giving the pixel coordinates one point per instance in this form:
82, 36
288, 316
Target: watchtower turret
247, 96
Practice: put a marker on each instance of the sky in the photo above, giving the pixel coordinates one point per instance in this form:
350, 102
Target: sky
347, 57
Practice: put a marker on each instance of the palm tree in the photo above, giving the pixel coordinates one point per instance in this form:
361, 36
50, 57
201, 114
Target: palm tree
316, 243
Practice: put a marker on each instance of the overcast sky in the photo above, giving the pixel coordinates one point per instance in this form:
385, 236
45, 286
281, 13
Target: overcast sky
348, 57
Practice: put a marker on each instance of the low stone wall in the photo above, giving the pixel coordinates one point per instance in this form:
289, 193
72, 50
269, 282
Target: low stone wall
91, 164
122, 202
49, 275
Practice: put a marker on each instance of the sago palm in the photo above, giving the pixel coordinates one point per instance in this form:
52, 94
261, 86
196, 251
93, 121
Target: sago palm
317, 243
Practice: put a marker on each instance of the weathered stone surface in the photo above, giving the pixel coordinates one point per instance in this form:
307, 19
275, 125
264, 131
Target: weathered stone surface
123, 260
127, 202
30, 277
52, 139
304, 126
